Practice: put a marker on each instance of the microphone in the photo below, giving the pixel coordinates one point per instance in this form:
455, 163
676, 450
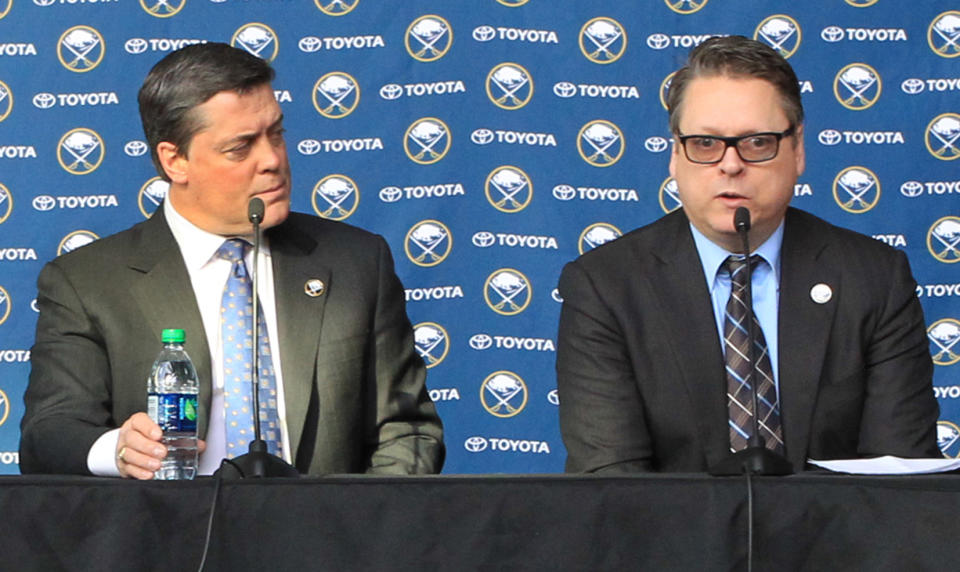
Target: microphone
258, 462
755, 459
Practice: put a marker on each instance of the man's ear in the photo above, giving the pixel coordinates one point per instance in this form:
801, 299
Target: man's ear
173, 162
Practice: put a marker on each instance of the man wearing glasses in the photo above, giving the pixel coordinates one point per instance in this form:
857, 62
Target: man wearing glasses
652, 341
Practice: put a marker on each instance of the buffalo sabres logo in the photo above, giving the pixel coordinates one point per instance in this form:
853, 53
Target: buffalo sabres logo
6, 101
75, 240
4, 305
685, 6
665, 89
258, 39
335, 197
162, 8
943, 136
600, 143
6, 203
861, 3
507, 292
603, 40
336, 7
856, 189
336, 95
426, 141
943, 35
508, 189
945, 341
943, 239
80, 151
432, 343
596, 234
503, 394
509, 86
948, 439
428, 243
5, 6
781, 32
80, 49
151, 195
857, 86
428, 38
4, 400
669, 195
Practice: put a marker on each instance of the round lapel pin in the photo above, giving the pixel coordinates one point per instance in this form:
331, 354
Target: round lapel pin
821, 293
314, 287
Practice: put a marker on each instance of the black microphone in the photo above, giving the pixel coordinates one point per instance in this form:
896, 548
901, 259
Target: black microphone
258, 462
756, 458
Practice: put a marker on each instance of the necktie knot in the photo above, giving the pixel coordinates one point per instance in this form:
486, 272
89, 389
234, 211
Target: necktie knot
233, 249
735, 263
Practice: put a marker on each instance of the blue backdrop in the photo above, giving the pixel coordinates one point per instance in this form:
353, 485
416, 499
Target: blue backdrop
490, 142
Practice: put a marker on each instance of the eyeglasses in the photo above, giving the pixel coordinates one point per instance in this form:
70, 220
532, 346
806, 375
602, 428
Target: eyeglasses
752, 148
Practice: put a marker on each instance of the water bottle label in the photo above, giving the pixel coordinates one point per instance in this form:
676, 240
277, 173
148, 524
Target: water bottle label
174, 412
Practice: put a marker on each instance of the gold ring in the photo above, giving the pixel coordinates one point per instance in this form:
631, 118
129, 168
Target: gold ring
120, 454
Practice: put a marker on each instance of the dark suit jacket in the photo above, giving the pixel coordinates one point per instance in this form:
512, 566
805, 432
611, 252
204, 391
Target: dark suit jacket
353, 384
640, 368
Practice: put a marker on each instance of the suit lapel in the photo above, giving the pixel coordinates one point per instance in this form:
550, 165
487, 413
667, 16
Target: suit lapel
804, 328
299, 318
165, 296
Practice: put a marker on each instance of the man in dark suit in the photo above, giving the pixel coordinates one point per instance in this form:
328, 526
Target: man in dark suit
647, 367
352, 396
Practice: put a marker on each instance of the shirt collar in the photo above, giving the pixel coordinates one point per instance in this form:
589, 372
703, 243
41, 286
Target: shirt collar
196, 245
713, 255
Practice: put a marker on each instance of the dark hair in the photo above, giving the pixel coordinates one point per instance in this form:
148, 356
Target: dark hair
737, 56
187, 78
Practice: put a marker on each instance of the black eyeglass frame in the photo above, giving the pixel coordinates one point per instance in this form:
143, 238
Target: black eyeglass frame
735, 143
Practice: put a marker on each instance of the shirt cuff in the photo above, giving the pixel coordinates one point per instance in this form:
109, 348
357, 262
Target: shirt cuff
102, 458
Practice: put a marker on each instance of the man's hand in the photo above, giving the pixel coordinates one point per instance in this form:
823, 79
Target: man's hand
139, 450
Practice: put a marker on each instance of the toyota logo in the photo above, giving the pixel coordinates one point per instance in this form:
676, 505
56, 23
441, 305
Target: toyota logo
135, 148
44, 202
658, 41
44, 100
483, 239
390, 194
483, 33
475, 444
555, 294
309, 44
912, 86
655, 144
482, 136
564, 192
481, 342
308, 147
391, 91
135, 46
832, 34
829, 137
911, 189
564, 89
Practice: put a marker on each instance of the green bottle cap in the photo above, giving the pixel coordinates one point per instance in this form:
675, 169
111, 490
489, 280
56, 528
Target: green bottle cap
172, 336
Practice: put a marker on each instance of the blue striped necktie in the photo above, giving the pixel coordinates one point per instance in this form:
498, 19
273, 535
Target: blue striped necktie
236, 335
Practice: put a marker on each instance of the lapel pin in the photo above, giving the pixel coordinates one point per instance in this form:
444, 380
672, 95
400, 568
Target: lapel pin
821, 293
314, 287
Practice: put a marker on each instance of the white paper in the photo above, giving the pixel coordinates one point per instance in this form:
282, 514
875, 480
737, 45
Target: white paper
889, 465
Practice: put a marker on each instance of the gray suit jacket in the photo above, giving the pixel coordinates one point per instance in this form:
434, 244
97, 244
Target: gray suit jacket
640, 367
353, 384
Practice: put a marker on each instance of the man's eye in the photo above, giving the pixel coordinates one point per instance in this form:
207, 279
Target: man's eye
704, 142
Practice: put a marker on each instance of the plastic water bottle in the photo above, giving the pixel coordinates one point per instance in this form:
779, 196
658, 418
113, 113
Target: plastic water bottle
172, 403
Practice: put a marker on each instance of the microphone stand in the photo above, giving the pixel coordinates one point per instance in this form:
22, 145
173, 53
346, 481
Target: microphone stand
756, 458
258, 462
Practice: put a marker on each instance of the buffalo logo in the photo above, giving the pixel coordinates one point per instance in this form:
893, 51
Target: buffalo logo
6, 101
80, 49
5, 6
75, 240
781, 32
309, 44
829, 137
596, 234
948, 439
481, 342
4, 307
861, 3
508, 189
600, 143
857, 86
258, 39
308, 147
391, 91
513, 3
658, 41
507, 292
482, 136
603, 40
428, 243
484, 33
162, 8
151, 195
942, 135
336, 95
427, 140
335, 197
390, 194
685, 6
831, 34
80, 151
135, 148
856, 190
911, 189
665, 89
669, 195
475, 444
44, 203
656, 144
564, 192
945, 341
6, 203
428, 38
503, 394
483, 239
135, 46
912, 86
943, 35
336, 7
509, 86
4, 402
943, 239
432, 343
564, 89
44, 100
